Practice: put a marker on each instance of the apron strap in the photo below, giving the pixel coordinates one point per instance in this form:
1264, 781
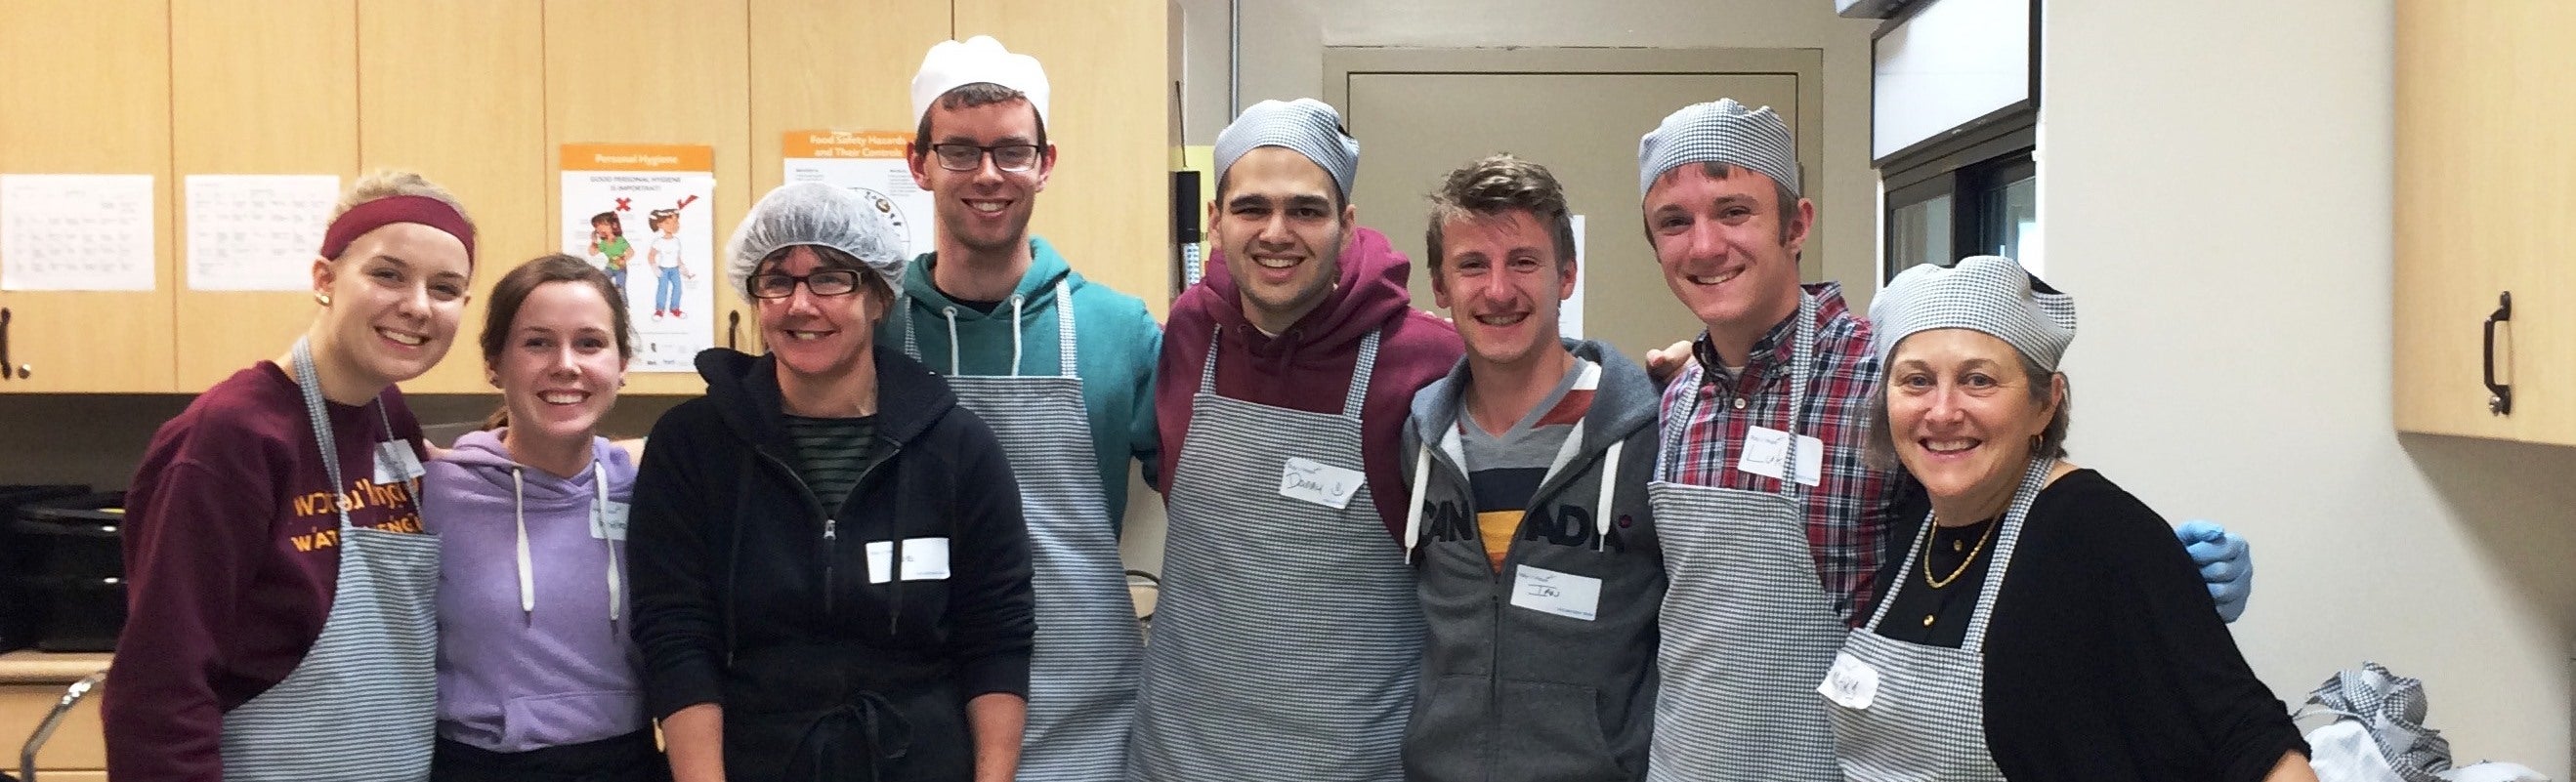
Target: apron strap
310, 383
911, 341
1358, 394
1801, 364
1677, 419
2000, 560
1207, 366
1064, 329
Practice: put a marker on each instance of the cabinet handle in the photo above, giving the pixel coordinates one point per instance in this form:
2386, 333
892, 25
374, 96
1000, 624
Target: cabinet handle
2499, 395
733, 329
6, 369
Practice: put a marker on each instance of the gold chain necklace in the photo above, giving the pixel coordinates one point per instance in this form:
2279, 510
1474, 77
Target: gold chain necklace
1963, 564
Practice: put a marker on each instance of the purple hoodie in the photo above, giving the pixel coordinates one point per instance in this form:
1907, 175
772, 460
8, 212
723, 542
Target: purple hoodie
511, 680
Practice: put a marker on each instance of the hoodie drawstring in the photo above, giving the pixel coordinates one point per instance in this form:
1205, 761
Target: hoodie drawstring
951, 312
1413, 511
599, 520
527, 567
599, 507
1601, 513
1015, 335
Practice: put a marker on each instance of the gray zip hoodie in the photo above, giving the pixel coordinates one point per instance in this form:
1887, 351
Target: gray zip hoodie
1515, 686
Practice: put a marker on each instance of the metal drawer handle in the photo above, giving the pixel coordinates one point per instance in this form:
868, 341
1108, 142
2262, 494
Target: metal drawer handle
2499, 395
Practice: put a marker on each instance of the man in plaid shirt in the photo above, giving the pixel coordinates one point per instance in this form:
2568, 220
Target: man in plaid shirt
1758, 508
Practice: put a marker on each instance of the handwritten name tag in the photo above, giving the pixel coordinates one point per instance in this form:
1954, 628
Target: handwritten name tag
1563, 594
1766, 449
1851, 684
1308, 480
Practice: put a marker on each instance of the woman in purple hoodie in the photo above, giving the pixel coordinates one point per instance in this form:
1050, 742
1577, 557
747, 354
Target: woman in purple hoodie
537, 676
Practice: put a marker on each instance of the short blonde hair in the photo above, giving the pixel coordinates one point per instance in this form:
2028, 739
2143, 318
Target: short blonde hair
389, 182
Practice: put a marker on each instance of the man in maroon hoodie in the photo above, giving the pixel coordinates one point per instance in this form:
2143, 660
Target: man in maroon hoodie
1286, 639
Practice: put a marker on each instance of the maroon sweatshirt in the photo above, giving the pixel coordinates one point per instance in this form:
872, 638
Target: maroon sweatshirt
1309, 367
231, 555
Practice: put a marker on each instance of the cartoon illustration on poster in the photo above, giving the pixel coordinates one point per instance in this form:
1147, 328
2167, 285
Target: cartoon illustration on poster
870, 163
644, 213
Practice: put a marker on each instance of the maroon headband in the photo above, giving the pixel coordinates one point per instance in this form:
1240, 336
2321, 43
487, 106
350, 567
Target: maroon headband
389, 210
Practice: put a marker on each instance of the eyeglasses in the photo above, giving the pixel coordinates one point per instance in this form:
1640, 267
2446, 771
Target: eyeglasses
1013, 158
828, 282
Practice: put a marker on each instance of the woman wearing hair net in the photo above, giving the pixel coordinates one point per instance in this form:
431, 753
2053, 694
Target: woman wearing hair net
831, 574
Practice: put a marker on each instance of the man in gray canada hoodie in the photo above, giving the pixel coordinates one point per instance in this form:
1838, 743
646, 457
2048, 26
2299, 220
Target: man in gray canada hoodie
1539, 573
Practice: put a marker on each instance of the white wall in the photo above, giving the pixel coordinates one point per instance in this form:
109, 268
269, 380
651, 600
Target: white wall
2216, 186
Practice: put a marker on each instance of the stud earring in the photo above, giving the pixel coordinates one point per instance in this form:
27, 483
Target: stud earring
322, 298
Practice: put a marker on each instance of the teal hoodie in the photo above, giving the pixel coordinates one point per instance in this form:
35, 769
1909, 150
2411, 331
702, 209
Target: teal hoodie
1117, 339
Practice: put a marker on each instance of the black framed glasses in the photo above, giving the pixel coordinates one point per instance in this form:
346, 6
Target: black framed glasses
828, 282
1013, 158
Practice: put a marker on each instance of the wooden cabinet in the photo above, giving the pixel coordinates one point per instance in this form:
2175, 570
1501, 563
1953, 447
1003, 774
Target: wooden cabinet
2484, 208
89, 93
439, 100
479, 95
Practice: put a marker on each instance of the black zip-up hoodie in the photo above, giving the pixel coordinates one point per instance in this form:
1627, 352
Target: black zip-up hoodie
734, 574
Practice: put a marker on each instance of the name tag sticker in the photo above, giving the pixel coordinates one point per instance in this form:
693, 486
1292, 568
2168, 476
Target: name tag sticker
1851, 684
1563, 594
395, 463
924, 559
1765, 449
608, 521
1308, 480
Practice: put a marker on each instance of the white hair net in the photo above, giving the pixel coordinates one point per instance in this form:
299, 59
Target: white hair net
821, 215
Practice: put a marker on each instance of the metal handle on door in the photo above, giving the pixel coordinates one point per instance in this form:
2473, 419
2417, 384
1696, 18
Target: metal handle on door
6, 369
733, 329
2499, 395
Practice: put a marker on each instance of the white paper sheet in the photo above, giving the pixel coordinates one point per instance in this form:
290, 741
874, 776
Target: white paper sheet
76, 232
256, 232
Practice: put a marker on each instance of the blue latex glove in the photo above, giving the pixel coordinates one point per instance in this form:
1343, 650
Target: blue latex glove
2225, 562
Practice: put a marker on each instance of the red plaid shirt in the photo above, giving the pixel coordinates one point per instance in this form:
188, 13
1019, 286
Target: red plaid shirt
1848, 512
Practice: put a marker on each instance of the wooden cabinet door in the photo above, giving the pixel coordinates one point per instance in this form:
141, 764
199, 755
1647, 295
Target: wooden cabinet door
89, 93
2484, 207
674, 72
830, 65
453, 90
256, 88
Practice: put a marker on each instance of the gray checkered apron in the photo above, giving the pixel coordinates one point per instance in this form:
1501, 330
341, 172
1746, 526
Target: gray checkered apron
1748, 629
371, 674
1287, 642
1927, 718
1082, 675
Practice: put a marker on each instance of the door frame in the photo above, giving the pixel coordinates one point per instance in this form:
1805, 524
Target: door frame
1806, 65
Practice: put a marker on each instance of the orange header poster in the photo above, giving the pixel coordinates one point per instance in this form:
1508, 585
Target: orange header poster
639, 157
644, 213
845, 144
870, 163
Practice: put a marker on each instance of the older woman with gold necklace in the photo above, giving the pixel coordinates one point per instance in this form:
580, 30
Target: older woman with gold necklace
2038, 621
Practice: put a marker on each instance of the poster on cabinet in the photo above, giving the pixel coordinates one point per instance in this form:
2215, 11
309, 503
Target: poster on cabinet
871, 164
644, 214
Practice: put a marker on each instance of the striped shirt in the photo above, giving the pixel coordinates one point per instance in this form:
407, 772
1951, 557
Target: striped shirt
1505, 470
1848, 513
831, 454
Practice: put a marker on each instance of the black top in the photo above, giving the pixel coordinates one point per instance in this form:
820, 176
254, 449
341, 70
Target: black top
2105, 657
751, 592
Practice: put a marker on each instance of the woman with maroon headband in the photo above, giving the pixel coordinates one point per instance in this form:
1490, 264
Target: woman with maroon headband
282, 591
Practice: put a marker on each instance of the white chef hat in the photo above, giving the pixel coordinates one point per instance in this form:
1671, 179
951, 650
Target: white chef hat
1986, 293
1720, 132
954, 64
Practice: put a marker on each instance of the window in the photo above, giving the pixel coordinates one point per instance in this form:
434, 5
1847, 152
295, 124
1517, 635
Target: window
1955, 152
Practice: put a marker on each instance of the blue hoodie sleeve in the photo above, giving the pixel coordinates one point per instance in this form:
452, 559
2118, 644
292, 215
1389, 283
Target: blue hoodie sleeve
1144, 439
